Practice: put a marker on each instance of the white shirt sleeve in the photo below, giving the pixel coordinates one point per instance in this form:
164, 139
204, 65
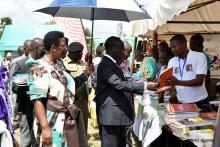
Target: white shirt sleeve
170, 63
201, 65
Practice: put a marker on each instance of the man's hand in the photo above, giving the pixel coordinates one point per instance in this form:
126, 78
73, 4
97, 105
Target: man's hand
47, 136
15, 143
89, 70
152, 86
172, 81
140, 81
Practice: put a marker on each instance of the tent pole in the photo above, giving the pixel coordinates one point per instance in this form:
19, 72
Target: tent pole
134, 54
194, 22
197, 6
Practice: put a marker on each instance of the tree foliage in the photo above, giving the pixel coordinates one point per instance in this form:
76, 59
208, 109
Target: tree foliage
6, 20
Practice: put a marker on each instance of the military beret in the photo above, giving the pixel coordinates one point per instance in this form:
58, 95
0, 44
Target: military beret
75, 47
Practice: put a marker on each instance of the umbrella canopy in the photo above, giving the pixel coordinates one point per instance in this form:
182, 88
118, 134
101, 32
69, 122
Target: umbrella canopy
122, 10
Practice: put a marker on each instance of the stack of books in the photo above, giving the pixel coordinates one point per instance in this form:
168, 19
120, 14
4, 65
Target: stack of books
208, 115
191, 122
182, 111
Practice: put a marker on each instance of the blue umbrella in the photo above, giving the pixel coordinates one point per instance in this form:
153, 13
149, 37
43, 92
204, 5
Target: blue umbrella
120, 10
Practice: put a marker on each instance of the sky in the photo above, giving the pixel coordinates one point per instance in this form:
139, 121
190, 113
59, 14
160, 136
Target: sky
21, 12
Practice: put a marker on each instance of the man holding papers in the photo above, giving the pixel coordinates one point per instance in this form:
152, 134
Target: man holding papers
189, 71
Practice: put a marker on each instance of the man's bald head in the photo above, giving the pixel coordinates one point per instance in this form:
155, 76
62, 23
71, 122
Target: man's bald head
128, 50
100, 50
127, 46
20, 51
35, 43
37, 48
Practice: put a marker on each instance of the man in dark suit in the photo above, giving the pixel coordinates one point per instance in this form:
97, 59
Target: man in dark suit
114, 96
25, 107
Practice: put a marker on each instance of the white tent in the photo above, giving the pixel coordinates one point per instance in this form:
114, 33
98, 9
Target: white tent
180, 16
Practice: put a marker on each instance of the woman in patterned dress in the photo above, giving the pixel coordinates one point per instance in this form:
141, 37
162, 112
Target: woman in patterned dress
52, 92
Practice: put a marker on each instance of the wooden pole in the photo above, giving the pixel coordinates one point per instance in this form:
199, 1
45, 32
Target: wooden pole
134, 54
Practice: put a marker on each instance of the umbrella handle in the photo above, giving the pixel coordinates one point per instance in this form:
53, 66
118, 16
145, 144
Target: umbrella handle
90, 59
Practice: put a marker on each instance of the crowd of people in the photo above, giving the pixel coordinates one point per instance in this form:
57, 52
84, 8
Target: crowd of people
49, 85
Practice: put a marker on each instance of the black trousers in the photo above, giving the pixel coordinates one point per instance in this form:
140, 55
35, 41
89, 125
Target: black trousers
113, 136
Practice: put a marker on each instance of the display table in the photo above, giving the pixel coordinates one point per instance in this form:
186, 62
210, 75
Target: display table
169, 136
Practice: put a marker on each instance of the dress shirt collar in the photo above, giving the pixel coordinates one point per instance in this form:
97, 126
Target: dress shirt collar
108, 56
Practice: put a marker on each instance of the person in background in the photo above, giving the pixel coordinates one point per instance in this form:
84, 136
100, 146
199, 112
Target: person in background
7, 60
114, 96
155, 52
165, 54
7, 137
25, 107
196, 44
99, 54
19, 53
189, 72
88, 60
73, 63
155, 55
125, 65
148, 69
23, 51
52, 92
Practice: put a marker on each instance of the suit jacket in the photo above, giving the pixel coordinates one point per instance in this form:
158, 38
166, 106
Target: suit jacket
114, 95
23, 100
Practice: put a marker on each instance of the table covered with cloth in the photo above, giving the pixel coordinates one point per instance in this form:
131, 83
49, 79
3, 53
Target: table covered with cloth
149, 117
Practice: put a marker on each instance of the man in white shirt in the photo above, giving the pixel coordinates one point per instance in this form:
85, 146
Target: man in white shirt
100, 50
189, 71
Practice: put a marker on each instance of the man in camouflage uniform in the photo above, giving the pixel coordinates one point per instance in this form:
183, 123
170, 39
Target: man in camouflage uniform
80, 72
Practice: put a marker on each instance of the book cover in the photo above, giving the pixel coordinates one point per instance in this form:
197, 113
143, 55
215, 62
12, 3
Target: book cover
164, 76
182, 108
209, 115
